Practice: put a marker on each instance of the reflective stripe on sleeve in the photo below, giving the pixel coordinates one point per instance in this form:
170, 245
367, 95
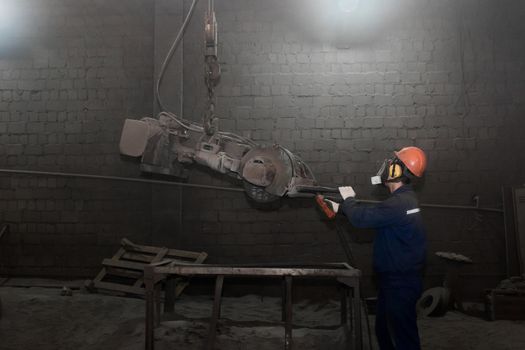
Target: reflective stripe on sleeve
413, 211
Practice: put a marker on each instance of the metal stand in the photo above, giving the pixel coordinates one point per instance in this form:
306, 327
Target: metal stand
216, 312
288, 321
356, 310
345, 274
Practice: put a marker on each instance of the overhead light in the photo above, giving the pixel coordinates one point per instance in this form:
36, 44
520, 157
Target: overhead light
348, 6
7, 14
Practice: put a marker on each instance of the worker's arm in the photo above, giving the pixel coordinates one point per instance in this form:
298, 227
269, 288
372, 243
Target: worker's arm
372, 216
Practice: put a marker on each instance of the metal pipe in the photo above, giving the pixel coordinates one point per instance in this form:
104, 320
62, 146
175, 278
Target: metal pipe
220, 188
118, 178
427, 205
305, 191
445, 206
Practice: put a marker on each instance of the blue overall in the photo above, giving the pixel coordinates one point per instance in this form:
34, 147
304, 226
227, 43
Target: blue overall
399, 256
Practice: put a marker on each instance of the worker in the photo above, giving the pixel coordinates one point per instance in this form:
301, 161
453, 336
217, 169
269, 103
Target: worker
399, 247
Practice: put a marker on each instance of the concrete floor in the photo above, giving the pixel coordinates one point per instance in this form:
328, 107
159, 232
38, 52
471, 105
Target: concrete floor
40, 318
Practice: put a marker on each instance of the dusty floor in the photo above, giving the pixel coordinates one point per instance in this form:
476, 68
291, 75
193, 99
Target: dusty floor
39, 318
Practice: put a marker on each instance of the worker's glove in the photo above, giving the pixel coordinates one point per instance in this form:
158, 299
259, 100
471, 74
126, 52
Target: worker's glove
347, 192
334, 205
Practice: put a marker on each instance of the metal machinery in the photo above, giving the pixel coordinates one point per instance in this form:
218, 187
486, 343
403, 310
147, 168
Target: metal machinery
168, 142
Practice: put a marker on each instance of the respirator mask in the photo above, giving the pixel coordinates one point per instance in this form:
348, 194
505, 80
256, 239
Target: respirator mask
390, 170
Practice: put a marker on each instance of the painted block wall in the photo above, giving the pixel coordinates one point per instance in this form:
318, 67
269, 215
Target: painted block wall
342, 90
70, 72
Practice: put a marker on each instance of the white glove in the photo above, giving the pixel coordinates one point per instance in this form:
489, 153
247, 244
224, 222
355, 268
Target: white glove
346, 192
335, 206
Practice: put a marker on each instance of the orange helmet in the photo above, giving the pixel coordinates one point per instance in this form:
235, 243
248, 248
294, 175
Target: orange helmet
414, 159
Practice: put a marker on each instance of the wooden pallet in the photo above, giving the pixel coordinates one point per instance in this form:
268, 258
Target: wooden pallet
124, 272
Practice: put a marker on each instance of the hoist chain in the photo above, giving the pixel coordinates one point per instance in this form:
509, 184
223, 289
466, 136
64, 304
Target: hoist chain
212, 69
211, 79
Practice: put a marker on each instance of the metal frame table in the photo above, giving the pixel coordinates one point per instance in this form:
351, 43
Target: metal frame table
342, 272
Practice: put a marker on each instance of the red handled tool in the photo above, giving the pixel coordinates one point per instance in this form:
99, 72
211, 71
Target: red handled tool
325, 207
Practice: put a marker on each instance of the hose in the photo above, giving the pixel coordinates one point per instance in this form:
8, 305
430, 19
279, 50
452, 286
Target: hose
351, 261
171, 51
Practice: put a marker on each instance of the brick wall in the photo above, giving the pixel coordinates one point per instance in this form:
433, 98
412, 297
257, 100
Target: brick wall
340, 90
343, 92
70, 72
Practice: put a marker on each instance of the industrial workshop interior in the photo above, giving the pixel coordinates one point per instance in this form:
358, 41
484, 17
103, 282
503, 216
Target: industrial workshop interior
262, 174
